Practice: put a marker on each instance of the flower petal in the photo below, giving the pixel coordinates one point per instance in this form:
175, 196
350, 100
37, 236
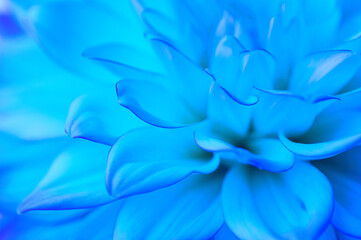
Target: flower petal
18, 175
283, 111
297, 207
226, 114
98, 117
187, 77
155, 104
236, 69
151, 158
23, 111
344, 173
66, 38
182, 34
268, 154
170, 101
324, 73
193, 211
333, 132
10, 146
74, 181
350, 30
36, 224
126, 61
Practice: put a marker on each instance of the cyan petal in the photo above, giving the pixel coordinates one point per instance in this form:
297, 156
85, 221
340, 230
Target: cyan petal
66, 38
186, 24
184, 76
283, 111
333, 132
180, 33
268, 154
262, 205
155, 104
147, 159
350, 28
190, 209
321, 24
10, 145
282, 37
36, 224
99, 118
344, 173
353, 45
229, 25
18, 173
324, 73
23, 110
236, 69
126, 61
74, 181
226, 114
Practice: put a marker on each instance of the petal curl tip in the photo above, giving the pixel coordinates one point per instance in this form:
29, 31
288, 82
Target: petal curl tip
250, 101
320, 150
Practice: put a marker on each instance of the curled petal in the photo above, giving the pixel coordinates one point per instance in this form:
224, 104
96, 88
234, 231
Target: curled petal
321, 150
284, 111
236, 70
333, 132
126, 61
98, 117
184, 76
268, 154
23, 110
155, 104
151, 158
224, 113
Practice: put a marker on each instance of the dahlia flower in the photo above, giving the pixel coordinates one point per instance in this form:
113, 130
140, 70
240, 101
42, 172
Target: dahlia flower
232, 119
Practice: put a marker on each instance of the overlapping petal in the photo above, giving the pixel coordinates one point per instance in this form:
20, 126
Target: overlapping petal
324, 73
235, 69
36, 225
116, 58
343, 171
266, 153
224, 113
176, 100
98, 117
147, 159
261, 205
333, 132
66, 38
193, 211
23, 111
74, 181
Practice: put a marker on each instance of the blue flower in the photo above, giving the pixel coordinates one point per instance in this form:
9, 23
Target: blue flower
206, 119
